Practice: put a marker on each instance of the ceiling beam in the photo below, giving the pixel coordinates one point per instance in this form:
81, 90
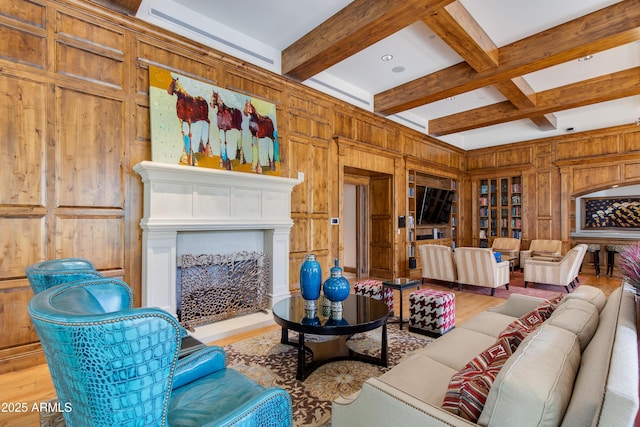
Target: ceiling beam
522, 96
455, 25
601, 30
600, 89
356, 27
457, 28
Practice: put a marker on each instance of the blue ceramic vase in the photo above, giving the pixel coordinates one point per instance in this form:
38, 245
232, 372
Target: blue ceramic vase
336, 287
310, 279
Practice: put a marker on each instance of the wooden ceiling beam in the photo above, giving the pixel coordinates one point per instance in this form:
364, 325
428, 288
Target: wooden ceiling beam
599, 89
604, 29
356, 27
455, 25
522, 96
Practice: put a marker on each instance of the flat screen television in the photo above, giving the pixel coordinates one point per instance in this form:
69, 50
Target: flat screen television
433, 205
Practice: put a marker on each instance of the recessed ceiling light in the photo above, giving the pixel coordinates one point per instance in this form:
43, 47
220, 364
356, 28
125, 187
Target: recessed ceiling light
387, 57
585, 58
450, 98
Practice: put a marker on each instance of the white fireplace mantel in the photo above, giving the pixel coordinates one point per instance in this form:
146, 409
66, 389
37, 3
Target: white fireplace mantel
182, 198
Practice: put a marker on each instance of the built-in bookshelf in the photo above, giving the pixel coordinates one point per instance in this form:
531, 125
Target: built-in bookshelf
443, 191
499, 209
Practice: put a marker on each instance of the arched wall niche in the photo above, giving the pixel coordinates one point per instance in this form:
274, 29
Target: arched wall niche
611, 192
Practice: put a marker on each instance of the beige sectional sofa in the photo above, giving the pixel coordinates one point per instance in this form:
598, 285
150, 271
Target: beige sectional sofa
580, 368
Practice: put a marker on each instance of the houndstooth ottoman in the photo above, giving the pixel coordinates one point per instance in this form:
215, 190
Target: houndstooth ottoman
432, 312
373, 289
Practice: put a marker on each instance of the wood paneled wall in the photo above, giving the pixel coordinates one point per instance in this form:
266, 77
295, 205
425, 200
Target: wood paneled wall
556, 170
74, 92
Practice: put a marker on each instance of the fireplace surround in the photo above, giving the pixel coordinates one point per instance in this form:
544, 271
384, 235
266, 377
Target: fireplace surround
185, 206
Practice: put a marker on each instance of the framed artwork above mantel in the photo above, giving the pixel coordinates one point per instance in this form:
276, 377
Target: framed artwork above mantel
611, 213
194, 123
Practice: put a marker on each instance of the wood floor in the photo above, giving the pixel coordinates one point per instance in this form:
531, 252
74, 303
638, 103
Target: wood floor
20, 391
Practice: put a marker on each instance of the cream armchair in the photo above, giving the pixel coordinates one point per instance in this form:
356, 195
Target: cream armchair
541, 247
559, 273
478, 267
508, 246
437, 263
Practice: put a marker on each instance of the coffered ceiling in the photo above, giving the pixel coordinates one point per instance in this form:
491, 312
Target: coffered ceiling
472, 73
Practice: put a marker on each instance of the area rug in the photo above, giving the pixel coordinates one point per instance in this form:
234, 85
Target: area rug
270, 363
265, 360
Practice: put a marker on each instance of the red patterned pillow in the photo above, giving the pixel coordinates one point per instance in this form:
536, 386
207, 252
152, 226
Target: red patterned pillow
547, 308
468, 388
516, 332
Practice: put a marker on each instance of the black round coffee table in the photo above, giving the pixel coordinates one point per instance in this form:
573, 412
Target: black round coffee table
359, 314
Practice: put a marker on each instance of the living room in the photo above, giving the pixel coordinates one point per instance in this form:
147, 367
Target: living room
76, 76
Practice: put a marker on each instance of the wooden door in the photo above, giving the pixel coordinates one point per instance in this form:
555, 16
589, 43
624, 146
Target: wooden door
381, 234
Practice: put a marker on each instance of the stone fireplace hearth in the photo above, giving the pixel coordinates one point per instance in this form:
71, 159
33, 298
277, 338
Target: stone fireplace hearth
185, 206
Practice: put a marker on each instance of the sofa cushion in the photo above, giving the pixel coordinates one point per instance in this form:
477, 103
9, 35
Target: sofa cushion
588, 293
534, 386
468, 388
579, 317
488, 323
421, 377
456, 348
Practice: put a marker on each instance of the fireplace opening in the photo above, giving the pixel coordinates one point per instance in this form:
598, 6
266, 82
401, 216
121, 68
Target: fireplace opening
214, 287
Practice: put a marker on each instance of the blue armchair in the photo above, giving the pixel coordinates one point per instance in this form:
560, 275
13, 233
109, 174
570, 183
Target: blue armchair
46, 274
115, 365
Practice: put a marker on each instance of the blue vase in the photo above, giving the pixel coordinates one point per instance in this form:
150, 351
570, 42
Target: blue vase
336, 287
310, 278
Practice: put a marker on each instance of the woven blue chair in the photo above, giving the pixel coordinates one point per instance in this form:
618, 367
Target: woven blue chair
114, 365
46, 274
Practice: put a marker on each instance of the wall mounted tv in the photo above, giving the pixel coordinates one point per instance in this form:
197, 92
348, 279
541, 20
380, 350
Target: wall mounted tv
433, 205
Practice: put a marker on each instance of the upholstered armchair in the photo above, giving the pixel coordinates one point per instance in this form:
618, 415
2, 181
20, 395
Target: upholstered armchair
562, 273
478, 267
437, 263
509, 247
118, 365
46, 274
543, 248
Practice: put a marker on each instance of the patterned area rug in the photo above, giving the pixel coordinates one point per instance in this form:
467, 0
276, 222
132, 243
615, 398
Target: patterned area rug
270, 363
265, 360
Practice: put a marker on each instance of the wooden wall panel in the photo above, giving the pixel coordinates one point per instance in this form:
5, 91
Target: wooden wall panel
544, 229
631, 171
631, 142
543, 196
75, 28
33, 51
319, 181
371, 133
150, 51
587, 147
89, 152
98, 238
481, 161
24, 11
13, 312
514, 157
22, 152
23, 243
78, 62
596, 176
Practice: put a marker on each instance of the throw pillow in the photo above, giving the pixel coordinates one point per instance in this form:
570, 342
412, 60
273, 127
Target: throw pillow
516, 332
468, 388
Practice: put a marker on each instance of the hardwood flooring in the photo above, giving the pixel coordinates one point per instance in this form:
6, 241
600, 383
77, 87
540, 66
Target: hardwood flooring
21, 390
